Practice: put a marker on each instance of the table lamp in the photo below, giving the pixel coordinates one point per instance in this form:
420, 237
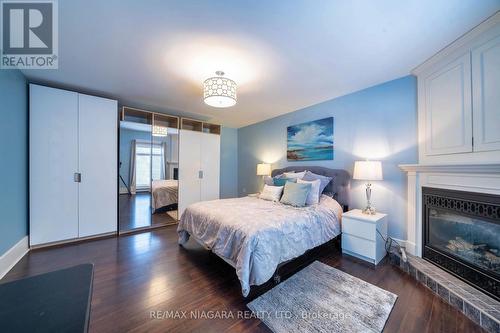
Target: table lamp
263, 169
368, 170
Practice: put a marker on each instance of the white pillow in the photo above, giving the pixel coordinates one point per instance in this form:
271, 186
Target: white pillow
296, 175
271, 193
313, 196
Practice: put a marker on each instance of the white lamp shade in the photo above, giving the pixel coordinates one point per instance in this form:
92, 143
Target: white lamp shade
367, 170
219, 91
263, 169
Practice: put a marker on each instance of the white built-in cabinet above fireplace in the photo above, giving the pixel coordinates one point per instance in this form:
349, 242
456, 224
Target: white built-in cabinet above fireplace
459, 99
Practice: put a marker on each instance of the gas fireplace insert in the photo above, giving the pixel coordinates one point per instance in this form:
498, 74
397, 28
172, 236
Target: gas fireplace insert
461, 234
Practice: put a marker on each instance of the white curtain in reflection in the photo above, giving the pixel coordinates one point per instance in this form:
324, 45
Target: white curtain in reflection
132, 180
165, 160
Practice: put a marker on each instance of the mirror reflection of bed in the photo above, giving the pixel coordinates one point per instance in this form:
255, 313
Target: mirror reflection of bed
148, 170
165, 171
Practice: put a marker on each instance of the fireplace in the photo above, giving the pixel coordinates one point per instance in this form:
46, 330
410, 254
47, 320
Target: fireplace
461, 234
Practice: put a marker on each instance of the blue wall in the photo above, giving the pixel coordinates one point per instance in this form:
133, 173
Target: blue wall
14, 156
379, 123
229, 163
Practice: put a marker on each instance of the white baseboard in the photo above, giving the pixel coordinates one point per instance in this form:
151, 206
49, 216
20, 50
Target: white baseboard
410, 247
401, 242
13, 255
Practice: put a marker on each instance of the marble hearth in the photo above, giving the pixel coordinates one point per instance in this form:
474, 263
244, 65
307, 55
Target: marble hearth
480, 308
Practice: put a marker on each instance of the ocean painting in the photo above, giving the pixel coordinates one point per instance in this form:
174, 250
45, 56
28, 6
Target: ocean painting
310, 141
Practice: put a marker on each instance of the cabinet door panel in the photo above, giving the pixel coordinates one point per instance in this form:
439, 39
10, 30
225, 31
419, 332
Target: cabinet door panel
53, 162
486, 95
98, 165
189, 168
448, 109
210, 164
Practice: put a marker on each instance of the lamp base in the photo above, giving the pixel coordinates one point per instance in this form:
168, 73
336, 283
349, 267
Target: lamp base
369, 211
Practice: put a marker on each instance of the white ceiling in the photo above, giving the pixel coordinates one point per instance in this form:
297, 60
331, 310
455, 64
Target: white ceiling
284, 55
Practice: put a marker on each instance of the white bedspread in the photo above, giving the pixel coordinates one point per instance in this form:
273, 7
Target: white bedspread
164, 192
256, 235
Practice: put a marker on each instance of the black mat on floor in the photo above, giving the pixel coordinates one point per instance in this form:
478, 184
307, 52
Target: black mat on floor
58, 301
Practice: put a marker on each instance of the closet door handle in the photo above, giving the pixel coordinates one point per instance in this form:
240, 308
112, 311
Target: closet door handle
200, 174
77, 177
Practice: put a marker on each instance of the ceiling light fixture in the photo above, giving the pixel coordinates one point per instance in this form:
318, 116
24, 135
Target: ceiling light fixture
219, 92
159, 131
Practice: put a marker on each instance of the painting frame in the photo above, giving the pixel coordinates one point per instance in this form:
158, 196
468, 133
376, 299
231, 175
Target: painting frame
311, 141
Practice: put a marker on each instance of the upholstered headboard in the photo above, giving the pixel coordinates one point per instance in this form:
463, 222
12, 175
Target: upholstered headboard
339, 186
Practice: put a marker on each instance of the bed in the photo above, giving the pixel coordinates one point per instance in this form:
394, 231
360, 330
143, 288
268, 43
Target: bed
164, 194
257, 237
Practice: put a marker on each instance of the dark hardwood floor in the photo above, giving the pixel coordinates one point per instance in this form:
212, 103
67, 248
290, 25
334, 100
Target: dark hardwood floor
136, 212
139, 273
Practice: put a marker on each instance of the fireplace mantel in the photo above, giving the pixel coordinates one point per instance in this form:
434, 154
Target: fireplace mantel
480, 178
452, 168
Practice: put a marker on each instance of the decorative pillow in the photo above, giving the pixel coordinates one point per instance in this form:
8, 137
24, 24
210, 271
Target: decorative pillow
295, 194
324, 180
282, 181
294, 174
268, 180
314, 193
271, 193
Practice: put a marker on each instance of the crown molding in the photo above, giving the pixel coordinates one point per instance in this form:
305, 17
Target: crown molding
462, 43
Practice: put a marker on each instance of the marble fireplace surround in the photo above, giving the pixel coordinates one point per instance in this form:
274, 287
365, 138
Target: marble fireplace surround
481, 178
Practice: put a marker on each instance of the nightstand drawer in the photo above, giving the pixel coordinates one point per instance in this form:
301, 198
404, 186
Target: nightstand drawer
359, 228
358, 245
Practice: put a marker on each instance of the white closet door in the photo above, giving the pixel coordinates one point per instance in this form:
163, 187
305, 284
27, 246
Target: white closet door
486, 95
210, 165
189, 168
98, 165
53, 161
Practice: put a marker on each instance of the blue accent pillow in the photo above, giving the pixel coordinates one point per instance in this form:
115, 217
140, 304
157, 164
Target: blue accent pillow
295, 194
310, 176
282, 181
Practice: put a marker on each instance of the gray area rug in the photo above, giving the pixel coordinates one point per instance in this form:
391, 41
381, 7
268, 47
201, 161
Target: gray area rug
321, 298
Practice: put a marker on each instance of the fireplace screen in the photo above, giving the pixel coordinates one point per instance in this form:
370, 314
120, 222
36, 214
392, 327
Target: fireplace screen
471, 239
461, 233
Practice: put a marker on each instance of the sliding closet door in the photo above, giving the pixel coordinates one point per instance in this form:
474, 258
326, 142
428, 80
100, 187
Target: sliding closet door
53, 195
189, 168
210, 164
98, 165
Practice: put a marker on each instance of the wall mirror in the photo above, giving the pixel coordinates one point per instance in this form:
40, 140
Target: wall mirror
165, 169
148, 170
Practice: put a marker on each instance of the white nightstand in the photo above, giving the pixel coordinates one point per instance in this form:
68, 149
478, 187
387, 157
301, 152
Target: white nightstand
360, 237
